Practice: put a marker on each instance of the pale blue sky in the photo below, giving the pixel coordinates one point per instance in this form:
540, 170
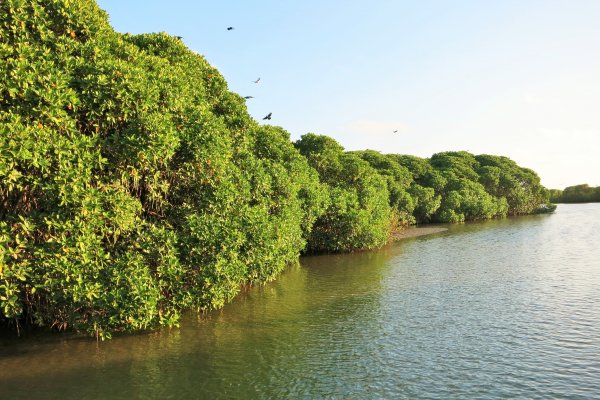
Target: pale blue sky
506, 77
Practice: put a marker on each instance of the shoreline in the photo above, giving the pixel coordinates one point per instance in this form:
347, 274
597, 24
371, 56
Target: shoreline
416, 232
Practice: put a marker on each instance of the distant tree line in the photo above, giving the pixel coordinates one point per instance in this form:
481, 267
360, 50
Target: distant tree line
134, 184
372, 193
576, 194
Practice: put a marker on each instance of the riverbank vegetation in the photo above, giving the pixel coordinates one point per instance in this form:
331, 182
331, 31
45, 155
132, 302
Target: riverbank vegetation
134, 184
576, 194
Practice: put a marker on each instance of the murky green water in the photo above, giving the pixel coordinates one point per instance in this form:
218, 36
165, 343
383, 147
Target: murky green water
502, 309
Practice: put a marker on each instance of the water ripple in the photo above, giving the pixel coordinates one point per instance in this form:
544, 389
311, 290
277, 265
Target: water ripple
503, 309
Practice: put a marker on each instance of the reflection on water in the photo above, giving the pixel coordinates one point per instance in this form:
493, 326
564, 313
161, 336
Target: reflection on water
498, 309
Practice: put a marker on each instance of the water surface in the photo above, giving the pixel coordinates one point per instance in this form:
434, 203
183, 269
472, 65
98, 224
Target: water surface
500, 309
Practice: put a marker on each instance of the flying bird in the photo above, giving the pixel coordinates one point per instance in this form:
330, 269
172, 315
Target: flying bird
248, 97
396, 131
256, 81
230, 28
268, 116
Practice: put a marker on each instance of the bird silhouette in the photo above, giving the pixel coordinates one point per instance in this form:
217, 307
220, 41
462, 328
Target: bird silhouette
230, 28
179, 37
268, 116
248, 97
396, 131
256, 81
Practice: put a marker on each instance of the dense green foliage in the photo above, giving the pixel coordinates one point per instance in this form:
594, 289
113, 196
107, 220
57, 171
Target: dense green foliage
398, 179
133, 184
457, 186
576, 194
358, 215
